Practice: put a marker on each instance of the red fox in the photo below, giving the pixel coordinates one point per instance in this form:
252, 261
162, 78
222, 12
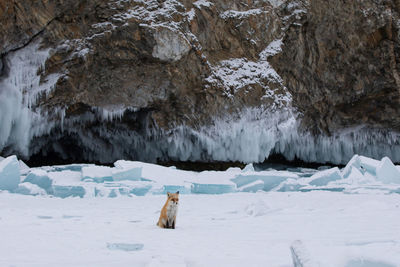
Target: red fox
168, 212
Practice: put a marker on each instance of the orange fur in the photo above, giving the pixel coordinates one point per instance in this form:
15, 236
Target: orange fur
168, 212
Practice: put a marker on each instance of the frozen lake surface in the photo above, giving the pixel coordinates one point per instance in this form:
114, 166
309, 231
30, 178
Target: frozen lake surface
318, 228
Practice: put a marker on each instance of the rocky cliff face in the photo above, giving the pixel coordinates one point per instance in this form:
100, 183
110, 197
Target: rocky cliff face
199, 80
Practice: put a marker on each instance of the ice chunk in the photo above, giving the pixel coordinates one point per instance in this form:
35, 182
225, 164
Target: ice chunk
354, 162
67, 183
40, 178
324, 177
387, 172
249, 168
271, 179
355, 176
64, 191
29, 189
70, 167
213, 188
23, 166
98, 174
1, 158
125, 246
133, 174
9, 173
368, 263
289, 186
369, 164
183, 189
252, 187
141, 190
160, 174
234, 169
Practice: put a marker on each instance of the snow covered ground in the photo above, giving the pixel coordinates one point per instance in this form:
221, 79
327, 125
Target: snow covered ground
89, 215
241, 229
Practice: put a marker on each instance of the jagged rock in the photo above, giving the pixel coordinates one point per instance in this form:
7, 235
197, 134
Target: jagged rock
199, 80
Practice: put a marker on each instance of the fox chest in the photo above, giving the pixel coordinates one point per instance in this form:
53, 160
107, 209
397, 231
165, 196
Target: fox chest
172, 210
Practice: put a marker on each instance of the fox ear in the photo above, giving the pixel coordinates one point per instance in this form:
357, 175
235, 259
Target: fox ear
168, 194
177, 192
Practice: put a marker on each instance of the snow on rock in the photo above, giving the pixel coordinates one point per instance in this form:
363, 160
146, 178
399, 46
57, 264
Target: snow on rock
29, 189
275, 47
236, 73
240, 15
98, 174
324, 177
171, 45
9, 173
387, 172
201, 3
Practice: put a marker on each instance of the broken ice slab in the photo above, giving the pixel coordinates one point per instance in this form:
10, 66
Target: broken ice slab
70, 167
67, 184
212, 188
9, 173
369, 164
248, 168
64, 191
140, 190
387, 172
252, 187
324, 177
98, 174
368, 263
40, 178
125, 246
354, 162
183, 189
23, 166
290, 185
271, 179
126, 188
132, 173
29, 189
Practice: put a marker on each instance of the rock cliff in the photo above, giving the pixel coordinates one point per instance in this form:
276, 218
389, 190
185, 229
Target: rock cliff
199, 80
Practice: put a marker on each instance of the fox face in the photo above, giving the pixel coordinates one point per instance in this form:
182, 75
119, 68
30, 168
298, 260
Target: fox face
173, 198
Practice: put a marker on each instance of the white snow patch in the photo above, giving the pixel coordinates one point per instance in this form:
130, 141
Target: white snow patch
201, 3
275, 47
240, 15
